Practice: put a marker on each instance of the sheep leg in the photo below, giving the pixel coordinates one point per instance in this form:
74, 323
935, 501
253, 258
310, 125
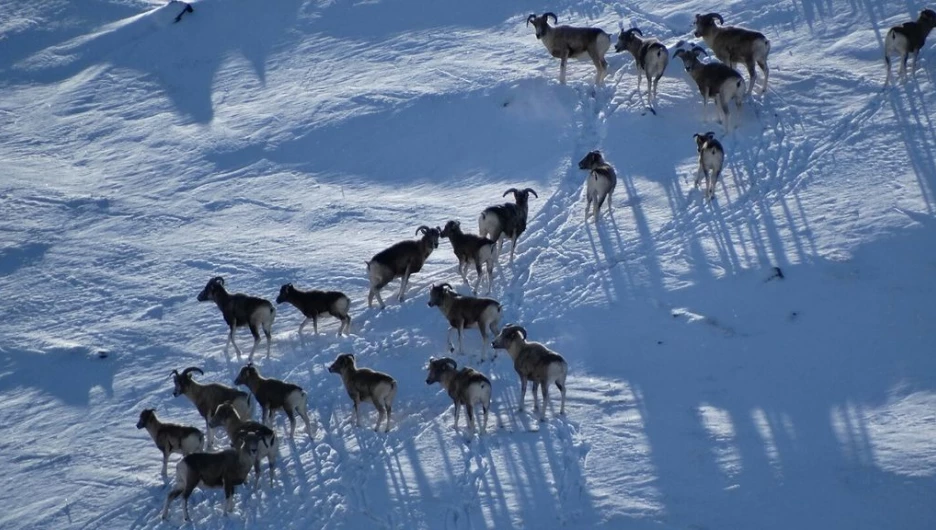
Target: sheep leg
463, 271
562, 69
903, 66
471, 422
381, 411
545, 401
461, 349
228, 496
403, 283
485, 407
210, 434
346, 321
523, 385
482, 327
389, 406
913, 66
478, 281
513, 247
315, 325
457, 407
257, 473
256, 335
600, 66
165, 473
357, 412
639, 93
588, 203
448, 339
173, 494
700, 174
536, 406
562, 392
271, 460
375, 292
887, 65
490, 275
303, 411
292, 423
232, 341
303, 324
766, 69
598, 200
749, 63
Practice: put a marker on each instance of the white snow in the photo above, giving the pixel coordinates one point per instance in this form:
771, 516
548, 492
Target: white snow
289, 141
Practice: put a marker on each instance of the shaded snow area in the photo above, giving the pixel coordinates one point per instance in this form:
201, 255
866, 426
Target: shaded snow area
290, 141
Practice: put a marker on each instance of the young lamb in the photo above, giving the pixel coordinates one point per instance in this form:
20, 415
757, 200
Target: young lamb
273, 395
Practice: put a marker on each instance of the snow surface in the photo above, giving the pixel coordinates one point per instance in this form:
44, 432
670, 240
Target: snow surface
289, 141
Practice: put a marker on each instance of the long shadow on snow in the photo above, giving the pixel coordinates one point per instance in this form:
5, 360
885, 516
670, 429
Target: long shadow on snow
432, 139
918, 134
795, 386
151, 44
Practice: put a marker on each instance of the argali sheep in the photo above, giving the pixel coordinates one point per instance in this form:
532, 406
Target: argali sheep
567, 42
508, 220
170, 437
905, 39
600, 184
651, 57
734, 45
711, 161
240, 310
467, 387
535, 363
227, 469
207, 397
401, 260
313, 304
716, 81
237, 430
466, 312
470, 248
364, 384
273, 395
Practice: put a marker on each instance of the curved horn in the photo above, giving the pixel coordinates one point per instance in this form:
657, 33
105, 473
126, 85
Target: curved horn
530, 190
696, 50
530, 19
175, 373
446, 284
717, 17
511, 190
637, 31
191, 369
550, 14
424, 229
449, 361
523, 331
218, 279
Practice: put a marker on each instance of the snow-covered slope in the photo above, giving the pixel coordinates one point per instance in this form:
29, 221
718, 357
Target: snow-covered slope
290, 141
